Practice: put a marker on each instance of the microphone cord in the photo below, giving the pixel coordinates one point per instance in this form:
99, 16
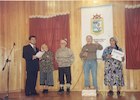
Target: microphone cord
77, 80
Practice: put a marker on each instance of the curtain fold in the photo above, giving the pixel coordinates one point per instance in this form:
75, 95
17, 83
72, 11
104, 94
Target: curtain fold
132, 30
50, 31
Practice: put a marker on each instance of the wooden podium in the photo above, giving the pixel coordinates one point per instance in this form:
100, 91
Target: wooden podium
89, 92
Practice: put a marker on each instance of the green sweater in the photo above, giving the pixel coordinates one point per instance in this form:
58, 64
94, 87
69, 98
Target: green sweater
64, 57
91, 50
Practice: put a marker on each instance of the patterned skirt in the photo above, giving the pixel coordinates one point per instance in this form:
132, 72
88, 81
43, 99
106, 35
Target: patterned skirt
113, 73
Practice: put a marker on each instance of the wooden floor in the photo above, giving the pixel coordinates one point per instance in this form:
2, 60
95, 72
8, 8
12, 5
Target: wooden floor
73, 96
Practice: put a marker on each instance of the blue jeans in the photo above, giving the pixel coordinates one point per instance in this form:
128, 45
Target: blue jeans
90, 65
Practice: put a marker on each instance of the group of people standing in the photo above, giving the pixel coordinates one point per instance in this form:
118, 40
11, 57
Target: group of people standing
113, 71
65, 57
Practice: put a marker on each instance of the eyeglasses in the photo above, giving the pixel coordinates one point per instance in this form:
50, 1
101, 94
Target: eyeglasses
62, 43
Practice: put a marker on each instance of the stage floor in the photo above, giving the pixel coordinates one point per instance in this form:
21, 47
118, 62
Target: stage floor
73, 96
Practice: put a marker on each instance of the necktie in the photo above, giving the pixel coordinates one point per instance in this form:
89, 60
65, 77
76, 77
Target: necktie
34, 48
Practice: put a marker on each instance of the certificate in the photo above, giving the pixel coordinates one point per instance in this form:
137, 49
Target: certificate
116, 54
39, 54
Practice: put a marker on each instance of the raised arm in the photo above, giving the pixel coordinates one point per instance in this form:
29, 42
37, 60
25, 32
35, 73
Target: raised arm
99, 46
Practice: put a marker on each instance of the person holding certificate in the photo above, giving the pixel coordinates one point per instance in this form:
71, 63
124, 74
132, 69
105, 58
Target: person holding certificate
46, 68
113, 68
32, 66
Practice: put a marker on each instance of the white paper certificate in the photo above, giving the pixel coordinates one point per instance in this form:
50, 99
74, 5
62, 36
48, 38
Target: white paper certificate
116, 54
39, 54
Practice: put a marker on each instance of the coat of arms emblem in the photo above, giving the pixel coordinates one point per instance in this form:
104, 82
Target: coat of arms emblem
97, 24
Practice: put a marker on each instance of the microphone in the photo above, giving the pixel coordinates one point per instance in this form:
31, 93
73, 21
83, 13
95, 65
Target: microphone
86, 50
14, 44
85, 53
3, 68
7, 60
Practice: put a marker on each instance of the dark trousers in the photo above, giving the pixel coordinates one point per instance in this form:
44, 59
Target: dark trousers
64, 71
31, 82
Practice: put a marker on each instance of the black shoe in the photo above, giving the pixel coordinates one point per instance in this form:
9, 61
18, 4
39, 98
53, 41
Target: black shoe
45, 91
61, 91
118, 93
28, 94
68, 91
34, 93
110, 93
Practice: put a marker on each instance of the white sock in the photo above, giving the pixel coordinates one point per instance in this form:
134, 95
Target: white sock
61, 85
68, 85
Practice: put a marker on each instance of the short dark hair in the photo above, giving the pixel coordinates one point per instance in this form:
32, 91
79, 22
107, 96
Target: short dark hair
32, 36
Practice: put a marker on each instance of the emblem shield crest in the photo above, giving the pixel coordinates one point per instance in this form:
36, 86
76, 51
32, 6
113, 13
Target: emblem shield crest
97, 24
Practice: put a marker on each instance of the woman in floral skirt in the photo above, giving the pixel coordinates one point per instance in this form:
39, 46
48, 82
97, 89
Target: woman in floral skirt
113, 68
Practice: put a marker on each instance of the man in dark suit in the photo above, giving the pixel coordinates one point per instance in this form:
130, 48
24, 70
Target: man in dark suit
32, 66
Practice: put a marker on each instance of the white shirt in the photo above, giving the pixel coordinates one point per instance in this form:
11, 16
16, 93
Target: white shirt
31, 45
